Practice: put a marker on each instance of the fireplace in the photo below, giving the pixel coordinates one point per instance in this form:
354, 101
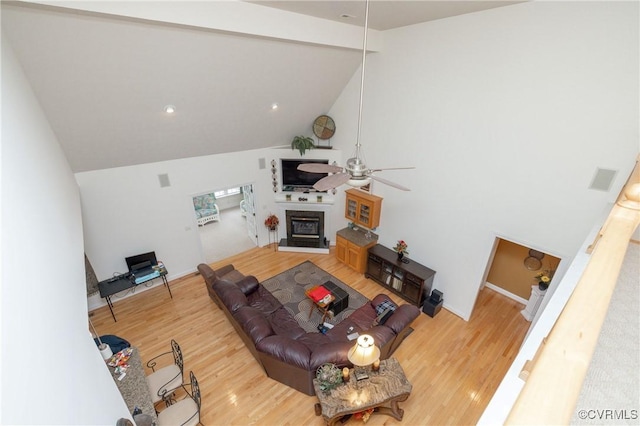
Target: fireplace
305, 228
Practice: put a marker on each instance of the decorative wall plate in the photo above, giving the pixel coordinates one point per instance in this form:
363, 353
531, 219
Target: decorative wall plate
324, 127
532, 263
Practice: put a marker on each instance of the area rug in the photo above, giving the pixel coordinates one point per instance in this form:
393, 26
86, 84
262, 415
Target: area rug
289, 287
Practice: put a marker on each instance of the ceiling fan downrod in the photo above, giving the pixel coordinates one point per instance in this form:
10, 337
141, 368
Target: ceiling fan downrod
364, 59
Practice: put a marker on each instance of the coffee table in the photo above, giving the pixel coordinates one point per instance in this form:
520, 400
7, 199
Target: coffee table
382, 392
321, 305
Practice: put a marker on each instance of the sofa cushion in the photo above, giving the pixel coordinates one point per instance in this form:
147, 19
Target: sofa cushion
364, 316
334, 352
230, 295
263, 300
253, 323
285, 349
283, 323
313, 340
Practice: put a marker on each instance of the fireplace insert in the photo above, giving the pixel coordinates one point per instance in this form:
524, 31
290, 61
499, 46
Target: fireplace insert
305, 228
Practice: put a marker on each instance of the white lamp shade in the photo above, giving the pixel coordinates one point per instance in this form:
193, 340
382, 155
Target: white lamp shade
364, 352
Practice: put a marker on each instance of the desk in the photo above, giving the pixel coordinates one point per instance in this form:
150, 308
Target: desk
134, 387
110, 287
381, 392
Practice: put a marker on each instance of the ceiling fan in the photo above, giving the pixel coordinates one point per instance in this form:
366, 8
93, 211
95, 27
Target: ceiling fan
355, 173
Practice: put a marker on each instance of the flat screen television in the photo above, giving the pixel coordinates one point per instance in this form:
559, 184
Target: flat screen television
141, 261
294, 179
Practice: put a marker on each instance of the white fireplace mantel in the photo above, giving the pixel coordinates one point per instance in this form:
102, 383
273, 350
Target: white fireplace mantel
305, 198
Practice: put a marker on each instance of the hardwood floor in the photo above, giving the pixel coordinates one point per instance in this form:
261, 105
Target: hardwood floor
453, 365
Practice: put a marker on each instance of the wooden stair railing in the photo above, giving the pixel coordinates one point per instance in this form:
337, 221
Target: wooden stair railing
554, 378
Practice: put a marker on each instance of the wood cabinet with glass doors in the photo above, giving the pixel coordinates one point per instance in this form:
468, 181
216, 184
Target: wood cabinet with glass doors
363, 208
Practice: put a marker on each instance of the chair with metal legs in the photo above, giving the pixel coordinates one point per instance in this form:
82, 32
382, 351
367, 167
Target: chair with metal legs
185, 412
164, 381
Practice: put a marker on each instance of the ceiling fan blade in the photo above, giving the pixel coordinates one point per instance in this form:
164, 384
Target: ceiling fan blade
392, 168
388, 182
331, 181
319, 168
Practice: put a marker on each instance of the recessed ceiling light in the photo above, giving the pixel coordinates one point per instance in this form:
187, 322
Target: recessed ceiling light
274, 106
169, 109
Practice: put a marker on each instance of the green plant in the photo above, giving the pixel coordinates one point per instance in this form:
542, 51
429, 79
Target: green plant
302, 143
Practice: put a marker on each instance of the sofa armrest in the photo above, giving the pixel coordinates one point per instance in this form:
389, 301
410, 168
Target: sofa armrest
224, 270
248, 284
402, 317
207, 273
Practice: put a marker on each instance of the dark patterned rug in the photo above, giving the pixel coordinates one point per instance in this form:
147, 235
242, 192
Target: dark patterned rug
289, 287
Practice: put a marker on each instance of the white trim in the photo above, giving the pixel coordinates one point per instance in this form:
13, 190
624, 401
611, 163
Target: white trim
304, 249
506, 293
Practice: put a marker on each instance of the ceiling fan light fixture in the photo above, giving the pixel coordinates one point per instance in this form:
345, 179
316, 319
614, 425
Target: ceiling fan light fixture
359, 182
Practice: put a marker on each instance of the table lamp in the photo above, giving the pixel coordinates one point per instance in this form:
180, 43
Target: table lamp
363, 354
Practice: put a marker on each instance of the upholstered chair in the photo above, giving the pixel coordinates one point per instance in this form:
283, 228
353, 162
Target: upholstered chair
185, 412
165, 380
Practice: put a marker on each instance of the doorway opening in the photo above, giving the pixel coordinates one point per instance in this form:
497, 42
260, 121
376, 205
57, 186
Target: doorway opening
515, 271
234, 231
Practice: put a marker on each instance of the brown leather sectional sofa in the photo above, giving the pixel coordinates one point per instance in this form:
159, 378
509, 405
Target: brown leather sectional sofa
285, 350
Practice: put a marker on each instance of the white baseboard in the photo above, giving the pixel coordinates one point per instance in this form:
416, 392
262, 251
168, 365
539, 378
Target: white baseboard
506, 293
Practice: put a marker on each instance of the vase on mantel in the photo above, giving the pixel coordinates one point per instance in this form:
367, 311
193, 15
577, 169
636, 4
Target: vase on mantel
543, 286
400, 255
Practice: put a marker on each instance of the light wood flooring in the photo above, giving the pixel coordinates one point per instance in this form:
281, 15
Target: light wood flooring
454, 366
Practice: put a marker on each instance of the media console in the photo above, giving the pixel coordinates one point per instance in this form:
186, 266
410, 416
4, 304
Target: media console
411, 281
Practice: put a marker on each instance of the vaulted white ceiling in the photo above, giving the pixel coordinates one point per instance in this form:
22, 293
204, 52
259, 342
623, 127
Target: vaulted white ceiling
103, 73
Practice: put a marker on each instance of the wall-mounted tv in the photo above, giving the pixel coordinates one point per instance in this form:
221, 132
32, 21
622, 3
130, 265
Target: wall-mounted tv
294, 179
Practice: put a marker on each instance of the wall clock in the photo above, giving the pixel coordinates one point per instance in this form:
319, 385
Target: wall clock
324, 127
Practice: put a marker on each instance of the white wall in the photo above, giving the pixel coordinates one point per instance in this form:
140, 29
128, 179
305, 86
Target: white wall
506, 113
126, 212
52, 372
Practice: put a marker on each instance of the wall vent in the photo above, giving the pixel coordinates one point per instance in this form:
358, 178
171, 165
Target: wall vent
164, 180
603, 179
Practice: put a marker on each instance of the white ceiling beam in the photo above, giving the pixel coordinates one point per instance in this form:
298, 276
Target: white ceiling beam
235, 17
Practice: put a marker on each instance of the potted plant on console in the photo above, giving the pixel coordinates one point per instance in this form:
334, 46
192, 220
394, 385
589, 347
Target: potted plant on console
401, 249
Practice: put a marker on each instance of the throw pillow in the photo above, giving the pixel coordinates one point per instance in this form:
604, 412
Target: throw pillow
383, 317
387, 304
